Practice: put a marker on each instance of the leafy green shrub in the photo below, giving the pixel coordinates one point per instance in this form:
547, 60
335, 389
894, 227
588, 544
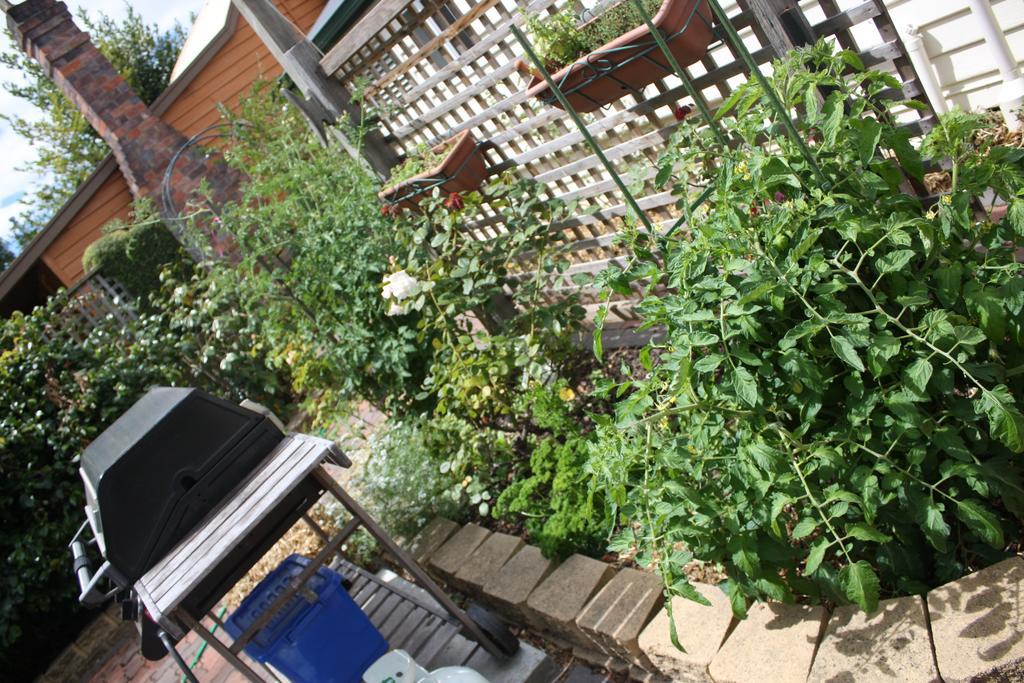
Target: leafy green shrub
835, 412
422, 467
196, 317
560, 515
62, 384
134, 254
452, 278
313, 248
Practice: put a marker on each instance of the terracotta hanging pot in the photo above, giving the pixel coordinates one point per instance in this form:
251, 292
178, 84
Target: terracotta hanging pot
462, 170
632, 61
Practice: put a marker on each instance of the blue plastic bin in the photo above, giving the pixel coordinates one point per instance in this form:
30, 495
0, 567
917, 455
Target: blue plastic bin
329, 641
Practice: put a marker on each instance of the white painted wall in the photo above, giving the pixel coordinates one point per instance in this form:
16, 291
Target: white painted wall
961, 60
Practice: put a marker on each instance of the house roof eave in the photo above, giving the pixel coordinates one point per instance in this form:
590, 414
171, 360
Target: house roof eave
35, 249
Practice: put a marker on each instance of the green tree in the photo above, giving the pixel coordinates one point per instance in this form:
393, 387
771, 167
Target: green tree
6, 255
67, 148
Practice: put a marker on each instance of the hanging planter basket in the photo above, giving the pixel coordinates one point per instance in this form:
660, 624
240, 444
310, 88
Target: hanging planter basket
462, 170
632, 61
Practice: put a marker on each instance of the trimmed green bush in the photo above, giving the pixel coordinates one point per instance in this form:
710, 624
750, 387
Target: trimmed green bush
135, 254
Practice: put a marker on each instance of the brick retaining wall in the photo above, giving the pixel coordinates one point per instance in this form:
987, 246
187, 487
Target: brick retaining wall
91, 649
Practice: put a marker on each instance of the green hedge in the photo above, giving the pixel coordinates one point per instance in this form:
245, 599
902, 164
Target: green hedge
134, 255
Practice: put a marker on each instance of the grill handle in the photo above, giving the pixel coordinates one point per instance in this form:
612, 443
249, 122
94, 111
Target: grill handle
90, 596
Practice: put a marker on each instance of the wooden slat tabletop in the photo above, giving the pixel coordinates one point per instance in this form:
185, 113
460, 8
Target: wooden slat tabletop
164, 587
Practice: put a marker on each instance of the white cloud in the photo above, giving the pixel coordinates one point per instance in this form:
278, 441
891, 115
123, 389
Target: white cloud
16, 151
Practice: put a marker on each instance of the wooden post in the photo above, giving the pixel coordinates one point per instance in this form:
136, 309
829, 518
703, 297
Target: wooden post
768, 27
301, 61
793, 22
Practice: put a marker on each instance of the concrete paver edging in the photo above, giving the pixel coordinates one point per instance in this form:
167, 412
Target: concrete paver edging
969, 629
510, 586
487, 560
614, 618
775, 643
701, 630
558, 600
447, 560
431, 537
977, 626
890, 644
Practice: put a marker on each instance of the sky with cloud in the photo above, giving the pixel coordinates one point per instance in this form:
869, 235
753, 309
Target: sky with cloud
16, 152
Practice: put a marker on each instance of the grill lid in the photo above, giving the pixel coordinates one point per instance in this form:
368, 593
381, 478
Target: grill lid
161, 467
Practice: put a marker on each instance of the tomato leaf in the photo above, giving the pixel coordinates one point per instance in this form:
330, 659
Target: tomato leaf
745, 386
844, 349
1006, 422
934, 526
805, 527
860, 584
815, 557
981, 521
918, 374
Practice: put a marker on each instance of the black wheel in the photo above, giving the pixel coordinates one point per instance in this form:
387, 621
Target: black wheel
495, 628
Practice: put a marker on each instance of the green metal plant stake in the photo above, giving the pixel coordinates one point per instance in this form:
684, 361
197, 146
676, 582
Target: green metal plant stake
574, 115
773, 98
687, 85
698, 101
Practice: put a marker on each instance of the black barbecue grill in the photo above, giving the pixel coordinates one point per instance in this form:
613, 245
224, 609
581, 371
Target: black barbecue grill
163, 466
185, 492
154, 475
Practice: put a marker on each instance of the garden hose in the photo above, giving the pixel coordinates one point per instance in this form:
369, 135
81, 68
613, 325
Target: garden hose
202, 648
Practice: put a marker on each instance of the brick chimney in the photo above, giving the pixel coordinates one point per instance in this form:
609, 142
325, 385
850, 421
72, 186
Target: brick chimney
142, 143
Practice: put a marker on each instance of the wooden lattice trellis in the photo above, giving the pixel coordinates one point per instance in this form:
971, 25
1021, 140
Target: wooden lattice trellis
433, 68
93, 299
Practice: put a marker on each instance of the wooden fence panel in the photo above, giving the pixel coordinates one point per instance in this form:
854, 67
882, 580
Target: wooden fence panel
433, 68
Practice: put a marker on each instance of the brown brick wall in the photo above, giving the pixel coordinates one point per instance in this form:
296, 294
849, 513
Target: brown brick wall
92, 648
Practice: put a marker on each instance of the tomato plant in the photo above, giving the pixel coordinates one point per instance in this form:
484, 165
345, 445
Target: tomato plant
834, 413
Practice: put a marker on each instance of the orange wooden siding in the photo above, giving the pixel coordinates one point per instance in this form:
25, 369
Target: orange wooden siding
225, 79
64, 256
230, 74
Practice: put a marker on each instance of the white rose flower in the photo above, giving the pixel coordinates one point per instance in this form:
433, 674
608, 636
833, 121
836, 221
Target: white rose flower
397, 309
399, 286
